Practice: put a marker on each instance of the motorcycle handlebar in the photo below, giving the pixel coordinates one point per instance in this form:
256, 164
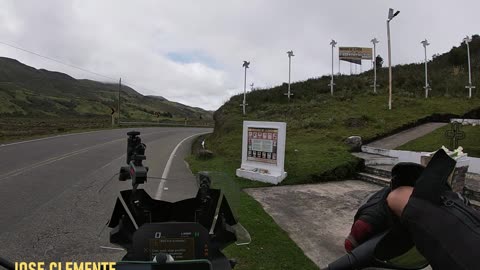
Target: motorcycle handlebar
7, 264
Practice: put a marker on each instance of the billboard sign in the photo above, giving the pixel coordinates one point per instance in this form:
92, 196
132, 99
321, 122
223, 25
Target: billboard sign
355, 54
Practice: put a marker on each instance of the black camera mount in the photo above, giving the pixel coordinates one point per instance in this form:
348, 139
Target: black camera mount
135, 156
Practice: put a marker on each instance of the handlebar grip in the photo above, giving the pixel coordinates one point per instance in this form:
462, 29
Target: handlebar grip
7, 264
360, 257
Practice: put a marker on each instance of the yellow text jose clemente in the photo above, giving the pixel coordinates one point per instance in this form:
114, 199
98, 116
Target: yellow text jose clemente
65, 266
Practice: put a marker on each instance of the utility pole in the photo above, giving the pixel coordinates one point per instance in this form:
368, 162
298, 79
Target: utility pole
245, 65
290, 55
470, 86
374, 41
333, 43
118, 108
427, 87
391, 15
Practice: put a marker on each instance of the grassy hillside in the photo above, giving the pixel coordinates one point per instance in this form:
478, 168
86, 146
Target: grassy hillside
40, 102
436, 139
318, 123
26, 91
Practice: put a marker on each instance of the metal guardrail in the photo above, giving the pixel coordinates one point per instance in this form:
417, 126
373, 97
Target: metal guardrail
162, 124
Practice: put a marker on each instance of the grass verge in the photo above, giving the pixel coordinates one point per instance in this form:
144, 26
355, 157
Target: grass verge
271, 247
316, 128
435, 140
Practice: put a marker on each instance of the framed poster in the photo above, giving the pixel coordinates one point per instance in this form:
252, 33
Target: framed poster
262, 145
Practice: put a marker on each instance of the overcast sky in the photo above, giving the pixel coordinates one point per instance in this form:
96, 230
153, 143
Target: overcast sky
192, 51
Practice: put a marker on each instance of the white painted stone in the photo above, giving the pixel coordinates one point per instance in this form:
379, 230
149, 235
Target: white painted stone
269, 167
410, 156
473, 122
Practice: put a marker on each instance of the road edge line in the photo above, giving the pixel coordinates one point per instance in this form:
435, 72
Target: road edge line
166, 170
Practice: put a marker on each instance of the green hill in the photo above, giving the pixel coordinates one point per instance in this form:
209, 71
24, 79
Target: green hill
38, 102
26, 91
317, 123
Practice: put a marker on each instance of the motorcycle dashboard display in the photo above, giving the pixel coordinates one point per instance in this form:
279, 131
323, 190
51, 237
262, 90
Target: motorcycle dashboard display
181, 240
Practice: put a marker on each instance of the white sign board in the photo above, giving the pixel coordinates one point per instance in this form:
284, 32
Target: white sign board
263, 151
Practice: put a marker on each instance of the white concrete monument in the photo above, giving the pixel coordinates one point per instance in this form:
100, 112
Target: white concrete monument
263, 151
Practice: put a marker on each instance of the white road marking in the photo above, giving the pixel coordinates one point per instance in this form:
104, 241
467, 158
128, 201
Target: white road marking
58, 158
51, 137
53, 159
112, 248
166, 171
57, 136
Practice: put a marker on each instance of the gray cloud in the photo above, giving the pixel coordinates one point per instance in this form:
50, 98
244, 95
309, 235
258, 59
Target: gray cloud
135, 39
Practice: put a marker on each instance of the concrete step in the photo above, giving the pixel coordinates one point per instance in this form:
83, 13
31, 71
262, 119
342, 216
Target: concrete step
375, 150
376, 159
472, 194
378, 180
379, 170
475, 204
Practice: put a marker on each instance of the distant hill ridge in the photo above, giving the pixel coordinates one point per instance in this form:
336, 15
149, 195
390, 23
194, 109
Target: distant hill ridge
27, 91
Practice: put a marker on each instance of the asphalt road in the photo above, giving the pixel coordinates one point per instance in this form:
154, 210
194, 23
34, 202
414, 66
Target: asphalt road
56, 194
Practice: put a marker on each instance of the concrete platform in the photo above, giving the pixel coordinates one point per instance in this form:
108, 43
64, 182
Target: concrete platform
317, 217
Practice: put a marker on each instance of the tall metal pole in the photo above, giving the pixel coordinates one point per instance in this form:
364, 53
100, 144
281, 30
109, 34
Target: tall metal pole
290, 54
289, 73
118, 108
244, 90
427, 87
339, 73
333, 43
470, 86
374, 41
389, 67
391, 15
244, 104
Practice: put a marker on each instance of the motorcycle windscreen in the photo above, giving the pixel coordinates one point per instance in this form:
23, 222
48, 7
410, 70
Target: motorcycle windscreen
172, 190
112, 204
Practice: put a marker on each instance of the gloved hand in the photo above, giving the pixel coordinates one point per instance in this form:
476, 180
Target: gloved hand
374, 216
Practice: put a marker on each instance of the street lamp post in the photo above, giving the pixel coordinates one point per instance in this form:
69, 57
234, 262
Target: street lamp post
391, 15
470, 86
427, 87
290, 54
333, 43
374, 41
244, 104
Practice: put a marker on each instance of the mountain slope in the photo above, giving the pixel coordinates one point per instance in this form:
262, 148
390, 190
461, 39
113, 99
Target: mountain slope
26, 91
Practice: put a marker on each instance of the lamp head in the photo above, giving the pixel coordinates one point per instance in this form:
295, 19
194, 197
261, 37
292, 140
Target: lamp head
245, 64
392, 14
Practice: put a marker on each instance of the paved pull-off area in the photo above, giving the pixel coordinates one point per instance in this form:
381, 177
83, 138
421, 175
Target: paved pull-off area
401, 138
317, 217
58, 193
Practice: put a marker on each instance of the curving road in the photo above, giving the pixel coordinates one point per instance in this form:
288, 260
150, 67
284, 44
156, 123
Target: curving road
56, 194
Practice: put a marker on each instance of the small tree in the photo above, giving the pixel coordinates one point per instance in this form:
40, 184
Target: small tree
379, 61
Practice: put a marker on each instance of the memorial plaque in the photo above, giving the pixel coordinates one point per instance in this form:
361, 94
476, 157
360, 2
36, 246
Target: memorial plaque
265, 145
263, 151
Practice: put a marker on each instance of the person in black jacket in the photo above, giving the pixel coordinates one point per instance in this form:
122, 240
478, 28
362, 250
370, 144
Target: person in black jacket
441, 223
